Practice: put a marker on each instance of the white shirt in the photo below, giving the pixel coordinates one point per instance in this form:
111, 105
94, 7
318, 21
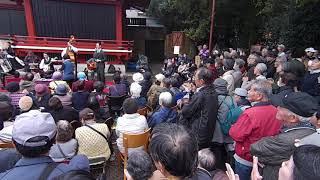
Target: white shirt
131, 124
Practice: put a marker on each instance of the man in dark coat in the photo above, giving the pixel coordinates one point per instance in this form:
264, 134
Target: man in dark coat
294, 114
100, 58
200, 114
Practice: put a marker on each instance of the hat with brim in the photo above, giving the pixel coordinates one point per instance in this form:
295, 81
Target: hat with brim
310, 50
61, 90
41, 89
241, 92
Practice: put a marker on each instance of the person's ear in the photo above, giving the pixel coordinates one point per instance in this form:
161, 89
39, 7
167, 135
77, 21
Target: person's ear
292, 118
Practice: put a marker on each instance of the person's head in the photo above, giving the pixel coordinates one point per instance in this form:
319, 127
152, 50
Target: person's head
33, 134
26, 104
6, 110
5, 98
281, 48
28, 77
288, 79
139, 166
315, 119
81, 86
166, 82
82, 76
239, 94
165, 99
260, 69
55, 103
205, 46
228, 64
98, 86
218, 62
159, 79
314, 64
41, 90
137, 77
98, 45
310, 52
135, 90
174, 150
130, 106
239, 64
252, 59
220, 85
271, 56
116, 78
174, 82
260, 91
61, 90
147, 76
64, 131
206, 159
12, 87
203, 77
264, 52
297, 107
302, 165
93, 103
45, 56
56, 76
86, 115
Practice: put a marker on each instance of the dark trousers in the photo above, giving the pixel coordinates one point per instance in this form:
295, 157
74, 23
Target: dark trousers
100, 72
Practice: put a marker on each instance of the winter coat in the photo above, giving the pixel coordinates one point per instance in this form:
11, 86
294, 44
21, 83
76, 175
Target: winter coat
272, 151
164, 114
200, 115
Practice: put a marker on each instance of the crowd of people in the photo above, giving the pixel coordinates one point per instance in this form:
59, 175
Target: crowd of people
221, 115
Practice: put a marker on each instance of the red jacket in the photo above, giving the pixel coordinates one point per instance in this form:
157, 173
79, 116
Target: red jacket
88, 86
253, 124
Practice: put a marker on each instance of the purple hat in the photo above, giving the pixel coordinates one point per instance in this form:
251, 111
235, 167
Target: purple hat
41, 89
57, 75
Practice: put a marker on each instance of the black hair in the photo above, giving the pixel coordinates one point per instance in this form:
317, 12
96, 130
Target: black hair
55, 103
75, 175
166, 82
130, 106
206, 75
98, 86
140, 165
289, 79
16, 74
81, 85
31, 152
99, 43
175, 148
147, 76
117, 78
306, 163
93, 103
174, 82
6, 110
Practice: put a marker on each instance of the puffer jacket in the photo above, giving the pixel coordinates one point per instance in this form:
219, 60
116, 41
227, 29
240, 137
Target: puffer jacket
200, 115
164, 114
274, 150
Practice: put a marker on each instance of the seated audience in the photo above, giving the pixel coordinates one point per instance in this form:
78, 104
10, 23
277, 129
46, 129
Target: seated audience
166, 113
118, 89
42, 96
139, 166
26, 104
207, 166
10, 157
80, 97
61, 92
100, 114
178, 94
137, 77
33, 136
173, 150
82, 78
146, 83
135, 91
131, 122
26, 84
65, 146
92, 137
6, 111
152, 93
56, 80
14, 93
98, 87
58, 111
294, 114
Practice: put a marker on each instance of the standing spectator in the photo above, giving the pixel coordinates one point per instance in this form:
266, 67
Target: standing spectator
56, 80
80, 98
252, 61
61, 92
200, 114
100, 58
204, 52
174, 150
65, 146
131, 122
117, 89
59, 112
92, 137
270, 60
252, 125
135, 91
88, 84
166, 113
237, 74
228, 75
281, 50
310, 82
33, 136
287, 83
240, 96
68, 71
259, 73
294, 114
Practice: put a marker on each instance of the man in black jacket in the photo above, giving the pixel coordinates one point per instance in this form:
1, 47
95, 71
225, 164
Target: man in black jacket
200, 114
100, 58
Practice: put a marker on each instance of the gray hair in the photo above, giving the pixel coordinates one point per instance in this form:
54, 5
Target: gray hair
264, 87
206, 159
165, 99
64, 131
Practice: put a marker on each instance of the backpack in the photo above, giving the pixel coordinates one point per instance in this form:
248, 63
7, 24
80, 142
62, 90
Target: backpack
232, 116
